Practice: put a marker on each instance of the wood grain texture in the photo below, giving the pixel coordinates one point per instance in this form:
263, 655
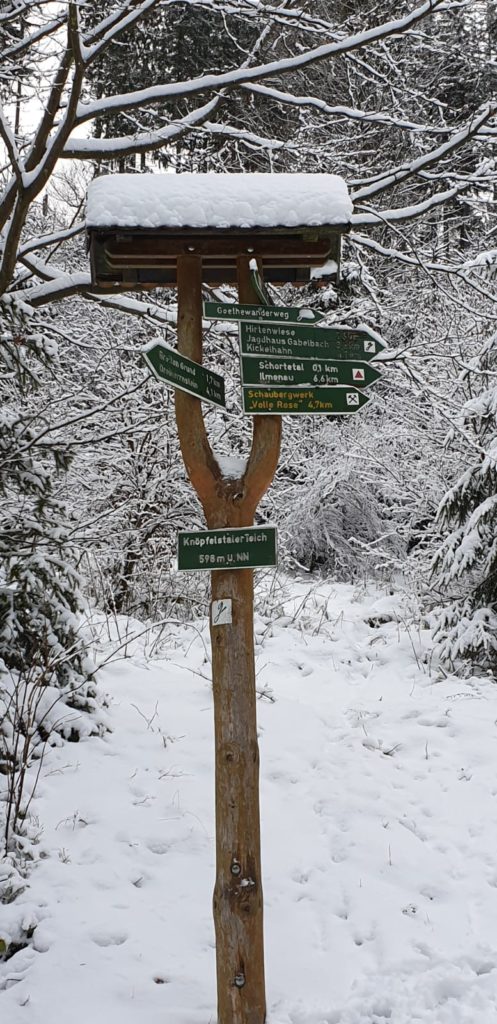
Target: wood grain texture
238, 898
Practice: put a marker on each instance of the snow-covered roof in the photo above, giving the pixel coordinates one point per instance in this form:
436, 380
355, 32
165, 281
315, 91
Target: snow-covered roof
220, 201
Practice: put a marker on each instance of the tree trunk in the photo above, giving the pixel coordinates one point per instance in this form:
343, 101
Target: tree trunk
238, 907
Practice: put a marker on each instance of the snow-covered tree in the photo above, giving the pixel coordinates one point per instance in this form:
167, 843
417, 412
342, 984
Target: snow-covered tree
46, 677
465, 564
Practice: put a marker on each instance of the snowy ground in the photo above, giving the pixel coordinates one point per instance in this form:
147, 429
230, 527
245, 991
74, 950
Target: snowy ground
379, 816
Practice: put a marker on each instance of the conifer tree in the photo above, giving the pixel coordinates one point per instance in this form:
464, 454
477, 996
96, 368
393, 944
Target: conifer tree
465, 564
177, 42
45, 674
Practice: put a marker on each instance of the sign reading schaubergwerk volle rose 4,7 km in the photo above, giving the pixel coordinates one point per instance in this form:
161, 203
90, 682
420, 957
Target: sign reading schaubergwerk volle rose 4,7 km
335, 401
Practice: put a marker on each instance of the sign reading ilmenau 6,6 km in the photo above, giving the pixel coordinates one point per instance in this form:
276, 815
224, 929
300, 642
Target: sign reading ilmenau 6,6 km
264, 314
251, 547
284, 372
172, 368
299, 340
303, 401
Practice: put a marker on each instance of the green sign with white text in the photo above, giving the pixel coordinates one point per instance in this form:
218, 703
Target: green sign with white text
301, 341
286, 372
252, 547
172, 368
264, 314
335, 401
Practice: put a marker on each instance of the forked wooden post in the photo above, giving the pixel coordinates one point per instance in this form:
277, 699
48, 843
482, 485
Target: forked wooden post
238, 904
145, 234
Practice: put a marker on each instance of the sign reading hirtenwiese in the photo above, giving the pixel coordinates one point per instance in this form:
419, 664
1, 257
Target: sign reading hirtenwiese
301, 341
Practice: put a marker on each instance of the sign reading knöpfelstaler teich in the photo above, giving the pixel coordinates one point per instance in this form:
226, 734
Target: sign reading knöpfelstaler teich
250, 547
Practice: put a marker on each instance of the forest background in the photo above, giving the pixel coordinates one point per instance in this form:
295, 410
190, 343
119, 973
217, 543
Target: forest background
399, 99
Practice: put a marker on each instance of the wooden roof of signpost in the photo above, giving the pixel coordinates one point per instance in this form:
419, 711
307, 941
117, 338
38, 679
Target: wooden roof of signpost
138, 225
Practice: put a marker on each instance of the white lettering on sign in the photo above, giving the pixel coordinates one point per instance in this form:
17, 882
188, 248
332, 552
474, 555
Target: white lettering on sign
210, 540
221, 612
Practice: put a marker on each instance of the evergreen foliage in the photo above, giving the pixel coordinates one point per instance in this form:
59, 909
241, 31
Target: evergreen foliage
465, 564
42, 647
176, 42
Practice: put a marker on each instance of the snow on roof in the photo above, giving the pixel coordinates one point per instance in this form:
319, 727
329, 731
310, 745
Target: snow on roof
217, 201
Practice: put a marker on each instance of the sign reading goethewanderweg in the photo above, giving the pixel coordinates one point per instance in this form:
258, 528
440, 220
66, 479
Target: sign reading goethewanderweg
251, 547
301, 341
172, 368
265, 314
303, 401
284, 371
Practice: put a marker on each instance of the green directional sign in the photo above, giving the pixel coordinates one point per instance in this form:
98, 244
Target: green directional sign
252, 547
172, 368
298, 340
262, 314
285, 372
335, 401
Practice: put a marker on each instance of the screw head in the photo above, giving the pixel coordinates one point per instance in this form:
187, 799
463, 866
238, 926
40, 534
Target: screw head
236, 868
239, 980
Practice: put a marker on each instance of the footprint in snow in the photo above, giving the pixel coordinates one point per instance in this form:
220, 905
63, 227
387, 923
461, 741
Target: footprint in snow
158, 846
109, 938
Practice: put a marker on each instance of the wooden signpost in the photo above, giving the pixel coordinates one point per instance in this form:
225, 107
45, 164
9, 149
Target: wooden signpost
126, 254
227, 503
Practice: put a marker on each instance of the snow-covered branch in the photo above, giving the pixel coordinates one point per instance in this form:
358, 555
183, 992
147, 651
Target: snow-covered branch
422, 163
142, 142
87, 111
340, 110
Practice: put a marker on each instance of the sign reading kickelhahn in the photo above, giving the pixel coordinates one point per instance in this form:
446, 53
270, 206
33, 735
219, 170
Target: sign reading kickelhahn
251, 547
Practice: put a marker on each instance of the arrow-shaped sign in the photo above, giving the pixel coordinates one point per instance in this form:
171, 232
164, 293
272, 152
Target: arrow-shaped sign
283, 372
302, 401
172, 368
301, 341
261, 314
